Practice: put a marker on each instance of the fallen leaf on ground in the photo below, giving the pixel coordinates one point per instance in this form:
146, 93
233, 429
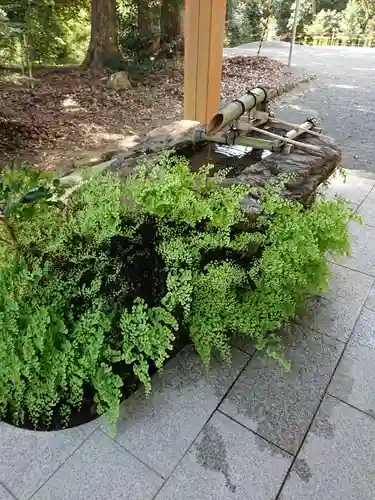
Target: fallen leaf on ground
71, 111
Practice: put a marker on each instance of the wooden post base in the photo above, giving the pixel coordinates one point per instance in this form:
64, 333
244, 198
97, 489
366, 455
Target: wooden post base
204, 39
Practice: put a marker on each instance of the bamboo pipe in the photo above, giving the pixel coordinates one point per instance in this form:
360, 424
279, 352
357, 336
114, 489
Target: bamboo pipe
299, 130
241, 140
235, 109
293, 132
296, 132
293, 125
300, 145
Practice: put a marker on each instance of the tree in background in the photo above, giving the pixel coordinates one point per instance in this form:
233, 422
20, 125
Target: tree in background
282, 9
171, 21
56, 31
348, 21
144, 22
369, 17
351, 23
355, 18
325, 23
103, 49
244, 21
284, 13
267, 23
305, 16
319, 18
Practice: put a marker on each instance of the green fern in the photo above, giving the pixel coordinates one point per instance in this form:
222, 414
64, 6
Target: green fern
109, 277
148, 336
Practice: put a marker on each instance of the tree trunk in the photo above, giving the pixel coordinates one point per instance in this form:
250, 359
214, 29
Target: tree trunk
103, 51
170, 21
144, 21
313, 7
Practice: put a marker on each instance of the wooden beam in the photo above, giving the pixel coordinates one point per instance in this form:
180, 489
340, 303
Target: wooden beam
204, 39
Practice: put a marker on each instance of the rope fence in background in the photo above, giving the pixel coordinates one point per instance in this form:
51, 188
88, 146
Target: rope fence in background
336, 40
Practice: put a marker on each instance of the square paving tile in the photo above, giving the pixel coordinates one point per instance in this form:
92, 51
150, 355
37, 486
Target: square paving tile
27, 458
279, 404
159, 429
354, 189
354, 380
244, 342
337, 460
335, 312
362, 249
227, 462
367, 209
101, 470
5, 495
370, 302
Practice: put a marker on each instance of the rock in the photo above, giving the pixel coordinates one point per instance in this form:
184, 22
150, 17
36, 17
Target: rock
119, 81
177, 133
308, 169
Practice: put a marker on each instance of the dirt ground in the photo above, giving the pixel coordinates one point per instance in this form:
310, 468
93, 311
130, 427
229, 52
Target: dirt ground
71, 114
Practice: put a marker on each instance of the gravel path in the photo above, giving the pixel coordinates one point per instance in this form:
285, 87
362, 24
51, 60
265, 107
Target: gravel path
341, 96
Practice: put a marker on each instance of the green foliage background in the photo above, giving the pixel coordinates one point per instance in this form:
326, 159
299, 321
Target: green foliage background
97, 287
58, 31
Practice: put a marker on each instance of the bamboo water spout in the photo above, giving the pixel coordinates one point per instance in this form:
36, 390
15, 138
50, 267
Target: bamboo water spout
235, 109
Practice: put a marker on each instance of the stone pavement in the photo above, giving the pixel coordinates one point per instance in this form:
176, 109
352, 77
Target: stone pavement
248, 430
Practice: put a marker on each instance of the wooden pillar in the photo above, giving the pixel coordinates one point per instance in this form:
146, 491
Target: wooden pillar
204, 25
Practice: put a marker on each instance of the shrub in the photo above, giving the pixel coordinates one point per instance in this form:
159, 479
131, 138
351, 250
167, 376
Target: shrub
141, 52
101, 285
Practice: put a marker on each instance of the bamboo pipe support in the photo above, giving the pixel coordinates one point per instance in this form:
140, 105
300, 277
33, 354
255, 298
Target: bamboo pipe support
241, 140
299, 144
235, 109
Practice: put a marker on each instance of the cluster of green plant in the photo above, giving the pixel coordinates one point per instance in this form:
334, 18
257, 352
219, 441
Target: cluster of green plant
141, 52
101, 283
247, 20
44, 31
149, 33
325, 23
